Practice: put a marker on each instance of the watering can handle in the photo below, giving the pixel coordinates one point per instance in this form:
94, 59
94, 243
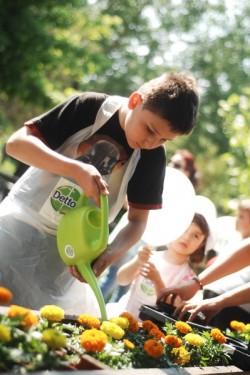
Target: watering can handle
83, 200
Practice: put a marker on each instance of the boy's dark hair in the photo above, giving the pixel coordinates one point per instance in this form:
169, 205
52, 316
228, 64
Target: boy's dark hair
173, 97
198, 255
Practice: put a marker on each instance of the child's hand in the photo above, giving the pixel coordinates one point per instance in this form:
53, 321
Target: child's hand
149, 271
144, 254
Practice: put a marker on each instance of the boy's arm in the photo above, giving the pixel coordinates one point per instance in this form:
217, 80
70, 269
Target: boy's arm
124, 240
29, 149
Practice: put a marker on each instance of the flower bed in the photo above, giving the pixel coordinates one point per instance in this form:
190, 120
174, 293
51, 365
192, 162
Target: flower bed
45, 340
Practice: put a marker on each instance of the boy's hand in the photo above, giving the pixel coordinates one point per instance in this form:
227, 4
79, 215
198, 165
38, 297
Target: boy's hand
99, 265
90, 180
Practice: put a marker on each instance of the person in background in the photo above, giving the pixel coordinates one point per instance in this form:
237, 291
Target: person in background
227, 264
150, 271
235, 280
184, 161
97, 144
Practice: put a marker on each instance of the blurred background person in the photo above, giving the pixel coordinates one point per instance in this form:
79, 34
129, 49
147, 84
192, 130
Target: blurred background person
235, 280
184, 161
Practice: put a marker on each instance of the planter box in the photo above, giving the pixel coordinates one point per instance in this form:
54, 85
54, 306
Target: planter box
95, 368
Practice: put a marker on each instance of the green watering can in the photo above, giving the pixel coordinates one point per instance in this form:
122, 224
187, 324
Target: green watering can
82, 235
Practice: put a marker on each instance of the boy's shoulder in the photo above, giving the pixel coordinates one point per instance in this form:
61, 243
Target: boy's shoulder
91, 97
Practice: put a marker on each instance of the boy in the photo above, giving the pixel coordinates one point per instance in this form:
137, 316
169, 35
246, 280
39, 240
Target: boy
98, 144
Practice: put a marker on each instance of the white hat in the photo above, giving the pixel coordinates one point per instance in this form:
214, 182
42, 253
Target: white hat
207, 209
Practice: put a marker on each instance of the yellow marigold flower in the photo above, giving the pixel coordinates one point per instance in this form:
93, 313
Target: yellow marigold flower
156, 333
5, 296
120, 321
180, 355
89, 321
247, 327
28, 318
5, 333
218, 335
148, 325
113, 330
172, 340
238, 326
194, 339
93, 340
183, 327
153, 348
128, 344
133, 323
53, 338
52, 313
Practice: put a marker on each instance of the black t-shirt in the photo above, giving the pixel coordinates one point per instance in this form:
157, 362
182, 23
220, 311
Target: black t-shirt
78, 112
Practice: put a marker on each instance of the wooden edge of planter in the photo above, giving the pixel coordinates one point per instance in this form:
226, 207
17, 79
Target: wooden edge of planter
157, 371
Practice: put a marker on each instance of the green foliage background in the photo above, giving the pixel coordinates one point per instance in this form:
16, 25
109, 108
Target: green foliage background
52, 49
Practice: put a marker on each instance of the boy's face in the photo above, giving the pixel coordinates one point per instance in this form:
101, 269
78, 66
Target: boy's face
143, 128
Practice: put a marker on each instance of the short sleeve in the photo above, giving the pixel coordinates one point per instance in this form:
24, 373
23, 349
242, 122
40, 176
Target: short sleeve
67, 118
146, 185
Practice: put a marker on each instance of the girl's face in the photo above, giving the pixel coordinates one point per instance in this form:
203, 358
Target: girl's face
191, 240
144, 129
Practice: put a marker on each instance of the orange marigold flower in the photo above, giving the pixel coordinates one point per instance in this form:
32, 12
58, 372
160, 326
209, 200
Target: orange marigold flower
183, 327
5, 296
218, 335
238, 326
172, 340
31, 319
93, 340
148, 325
153, 348
156, 333
128, 344
89, 321
28, 318
180, 355
133, 323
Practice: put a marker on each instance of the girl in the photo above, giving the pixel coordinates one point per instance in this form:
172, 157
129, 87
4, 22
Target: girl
150, 271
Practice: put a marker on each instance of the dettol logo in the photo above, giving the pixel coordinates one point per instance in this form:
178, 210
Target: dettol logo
64, 198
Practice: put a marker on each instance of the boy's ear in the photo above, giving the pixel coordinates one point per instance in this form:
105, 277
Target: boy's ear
134, 99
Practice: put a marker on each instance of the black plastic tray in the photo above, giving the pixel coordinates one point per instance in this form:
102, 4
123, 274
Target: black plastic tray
162, 313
